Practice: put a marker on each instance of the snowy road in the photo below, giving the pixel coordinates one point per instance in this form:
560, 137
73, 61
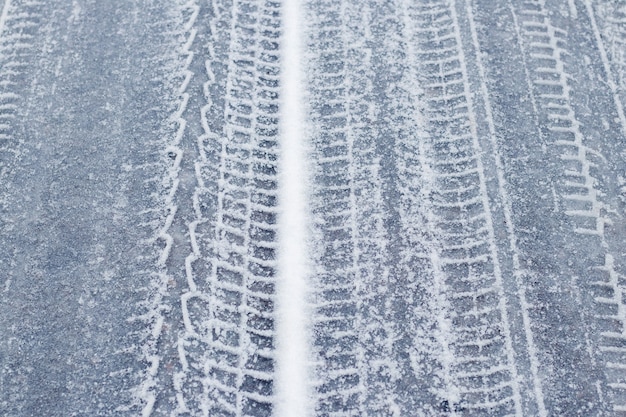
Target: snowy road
84, 110
313, 207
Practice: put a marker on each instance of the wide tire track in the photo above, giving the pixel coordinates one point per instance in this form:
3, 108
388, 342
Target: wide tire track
573, 278
441, 290
227, 348
355, 336
483, 371
579, 197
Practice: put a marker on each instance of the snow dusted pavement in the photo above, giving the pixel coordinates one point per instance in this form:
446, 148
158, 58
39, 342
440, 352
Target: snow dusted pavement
85, 103
468, 208
302, 208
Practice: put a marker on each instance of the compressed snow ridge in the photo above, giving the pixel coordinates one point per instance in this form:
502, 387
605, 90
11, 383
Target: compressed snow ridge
292, 396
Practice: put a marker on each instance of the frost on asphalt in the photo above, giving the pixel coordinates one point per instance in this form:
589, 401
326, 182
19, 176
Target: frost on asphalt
456, 172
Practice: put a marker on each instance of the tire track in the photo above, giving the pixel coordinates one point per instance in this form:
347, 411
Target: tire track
604, 207
483, 368
227, 349
354, 339
156, 306
19, 24
515, 273
449, 259
579, 198
564, 144
613, 17
335, 343
95, 206
190, 388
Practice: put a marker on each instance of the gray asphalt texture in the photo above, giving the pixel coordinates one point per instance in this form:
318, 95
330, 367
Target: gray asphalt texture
87, 128
467, 206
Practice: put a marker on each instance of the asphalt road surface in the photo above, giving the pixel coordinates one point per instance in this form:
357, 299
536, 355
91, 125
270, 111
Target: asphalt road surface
465, 173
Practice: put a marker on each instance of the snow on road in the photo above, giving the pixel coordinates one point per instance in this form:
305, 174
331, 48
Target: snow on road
293, 271
312, 208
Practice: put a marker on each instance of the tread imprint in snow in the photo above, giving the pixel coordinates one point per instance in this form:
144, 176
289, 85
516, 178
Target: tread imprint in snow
227, 350
481, 376
353, 342
483, 369
579, 197
18, 27
335, 340
161, 190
